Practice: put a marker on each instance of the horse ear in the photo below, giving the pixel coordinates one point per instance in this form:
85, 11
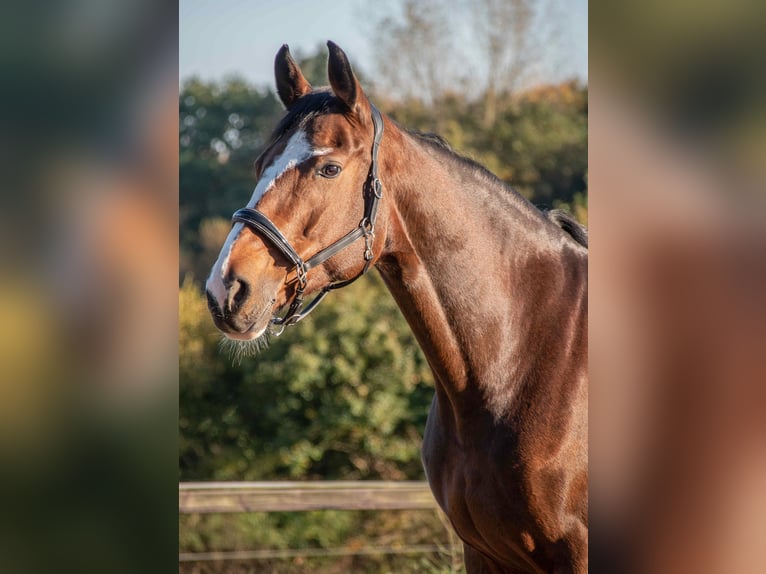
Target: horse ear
343, 81
291, 84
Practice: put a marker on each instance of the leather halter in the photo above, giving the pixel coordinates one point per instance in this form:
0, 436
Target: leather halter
262, 225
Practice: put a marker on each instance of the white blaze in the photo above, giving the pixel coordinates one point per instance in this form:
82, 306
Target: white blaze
296, 152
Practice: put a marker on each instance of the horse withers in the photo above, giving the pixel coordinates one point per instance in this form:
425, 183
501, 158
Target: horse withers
494, 290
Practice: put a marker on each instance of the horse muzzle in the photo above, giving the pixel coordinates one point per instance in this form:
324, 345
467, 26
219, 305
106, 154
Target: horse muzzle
239, 311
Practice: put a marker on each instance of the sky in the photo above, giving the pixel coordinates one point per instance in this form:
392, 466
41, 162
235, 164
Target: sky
221, 37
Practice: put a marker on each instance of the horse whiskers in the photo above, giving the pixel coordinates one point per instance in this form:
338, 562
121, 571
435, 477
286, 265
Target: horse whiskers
238, 350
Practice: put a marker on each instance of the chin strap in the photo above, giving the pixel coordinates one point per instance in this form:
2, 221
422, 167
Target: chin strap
262, 225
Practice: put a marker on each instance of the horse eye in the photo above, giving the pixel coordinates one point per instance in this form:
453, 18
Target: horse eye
330, 170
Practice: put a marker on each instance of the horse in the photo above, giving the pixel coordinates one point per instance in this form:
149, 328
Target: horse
494, 290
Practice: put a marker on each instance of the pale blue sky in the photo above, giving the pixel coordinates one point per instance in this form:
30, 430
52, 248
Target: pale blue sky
220, 37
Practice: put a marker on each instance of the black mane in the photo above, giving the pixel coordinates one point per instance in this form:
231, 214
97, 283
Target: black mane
569, 224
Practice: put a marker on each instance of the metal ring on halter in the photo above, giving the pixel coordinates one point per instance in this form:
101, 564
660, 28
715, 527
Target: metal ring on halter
377, 188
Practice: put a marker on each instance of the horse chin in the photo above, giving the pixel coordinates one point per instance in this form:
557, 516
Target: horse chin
251, 334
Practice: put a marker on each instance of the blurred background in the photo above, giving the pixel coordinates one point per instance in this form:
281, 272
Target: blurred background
88, 286
91, 269
677, 150
344, 395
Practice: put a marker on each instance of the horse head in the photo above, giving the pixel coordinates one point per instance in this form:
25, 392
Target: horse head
310, 223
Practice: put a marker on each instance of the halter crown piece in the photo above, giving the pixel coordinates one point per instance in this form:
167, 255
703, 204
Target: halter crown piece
262, 225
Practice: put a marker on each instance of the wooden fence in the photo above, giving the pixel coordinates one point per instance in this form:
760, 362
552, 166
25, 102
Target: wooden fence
223, 497
238, 497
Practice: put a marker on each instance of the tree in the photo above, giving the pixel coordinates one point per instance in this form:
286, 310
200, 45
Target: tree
503, 29
416, 56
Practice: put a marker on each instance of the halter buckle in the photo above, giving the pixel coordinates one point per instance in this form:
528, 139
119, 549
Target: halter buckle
300, 274
368, 232
369, 239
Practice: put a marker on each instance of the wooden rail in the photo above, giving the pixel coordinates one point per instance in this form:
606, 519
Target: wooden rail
288, 553
228, 497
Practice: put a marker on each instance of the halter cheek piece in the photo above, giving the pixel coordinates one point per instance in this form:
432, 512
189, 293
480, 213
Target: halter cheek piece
262, 225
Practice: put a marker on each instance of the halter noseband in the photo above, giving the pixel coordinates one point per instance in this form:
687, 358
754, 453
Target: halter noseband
262, 225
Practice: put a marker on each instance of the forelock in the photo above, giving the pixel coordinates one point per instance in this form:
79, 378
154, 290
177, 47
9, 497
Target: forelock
304, 109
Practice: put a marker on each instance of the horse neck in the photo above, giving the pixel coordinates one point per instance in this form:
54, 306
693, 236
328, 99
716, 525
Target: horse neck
477, 271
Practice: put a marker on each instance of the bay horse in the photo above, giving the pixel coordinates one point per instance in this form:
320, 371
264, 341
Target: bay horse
494, 290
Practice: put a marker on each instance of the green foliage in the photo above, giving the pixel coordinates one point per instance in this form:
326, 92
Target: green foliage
343, 395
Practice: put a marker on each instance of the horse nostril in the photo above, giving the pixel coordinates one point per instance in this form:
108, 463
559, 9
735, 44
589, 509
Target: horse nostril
212, 304
238, 291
